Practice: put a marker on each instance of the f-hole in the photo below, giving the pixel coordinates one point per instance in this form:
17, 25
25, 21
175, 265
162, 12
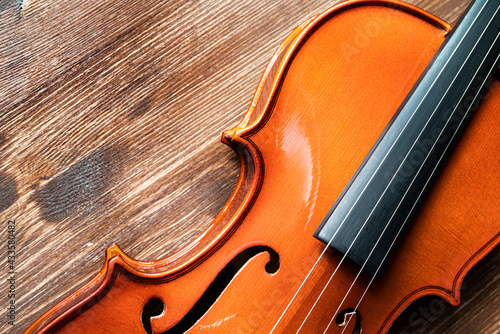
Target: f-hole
155, 307
343, 318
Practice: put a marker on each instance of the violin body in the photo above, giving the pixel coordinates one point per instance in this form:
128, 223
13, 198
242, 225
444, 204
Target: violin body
326, 96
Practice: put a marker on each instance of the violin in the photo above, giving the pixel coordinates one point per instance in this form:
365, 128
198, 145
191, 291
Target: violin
368, 180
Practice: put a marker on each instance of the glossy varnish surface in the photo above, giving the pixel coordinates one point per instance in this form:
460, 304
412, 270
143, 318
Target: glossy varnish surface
98, 211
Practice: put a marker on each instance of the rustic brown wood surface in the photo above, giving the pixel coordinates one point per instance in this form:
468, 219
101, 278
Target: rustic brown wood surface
111, 115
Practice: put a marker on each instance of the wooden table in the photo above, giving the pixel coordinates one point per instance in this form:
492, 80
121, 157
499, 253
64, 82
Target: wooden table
111, 115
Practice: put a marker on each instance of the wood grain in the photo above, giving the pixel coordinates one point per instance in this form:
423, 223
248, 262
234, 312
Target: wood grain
111, 119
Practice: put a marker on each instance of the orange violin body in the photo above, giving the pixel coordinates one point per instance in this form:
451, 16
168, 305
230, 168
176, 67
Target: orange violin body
324, 99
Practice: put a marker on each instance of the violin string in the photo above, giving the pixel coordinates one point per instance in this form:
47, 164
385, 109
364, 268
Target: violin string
418, 198
369, 181
362, 192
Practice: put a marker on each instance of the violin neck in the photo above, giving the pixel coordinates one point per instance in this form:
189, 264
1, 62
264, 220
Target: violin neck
375, 208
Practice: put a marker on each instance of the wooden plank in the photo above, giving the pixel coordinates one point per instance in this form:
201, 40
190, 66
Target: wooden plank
111, 114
